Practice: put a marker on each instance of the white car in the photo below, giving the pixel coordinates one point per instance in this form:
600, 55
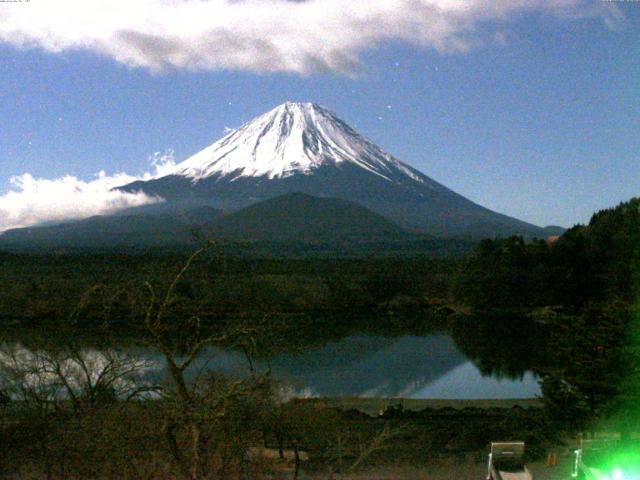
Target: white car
506, 462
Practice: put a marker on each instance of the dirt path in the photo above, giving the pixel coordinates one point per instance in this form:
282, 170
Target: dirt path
448, 470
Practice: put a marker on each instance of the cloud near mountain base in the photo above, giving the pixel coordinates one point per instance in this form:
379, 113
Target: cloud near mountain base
32, 201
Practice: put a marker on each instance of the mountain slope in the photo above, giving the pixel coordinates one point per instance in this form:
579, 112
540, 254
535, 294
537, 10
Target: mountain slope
301, 217
132, 230
295, 218
305, 148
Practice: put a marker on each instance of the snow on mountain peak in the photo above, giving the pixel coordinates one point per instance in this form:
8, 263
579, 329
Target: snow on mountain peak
293, 138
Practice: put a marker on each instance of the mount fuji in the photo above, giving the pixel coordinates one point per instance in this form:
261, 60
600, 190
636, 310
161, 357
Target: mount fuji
305, 148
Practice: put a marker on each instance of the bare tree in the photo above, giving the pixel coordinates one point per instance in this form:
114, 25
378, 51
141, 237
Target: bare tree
81, 378
379, 442
54, 395
205, 401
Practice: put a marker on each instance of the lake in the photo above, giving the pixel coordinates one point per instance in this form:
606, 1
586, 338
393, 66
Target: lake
378, 366
374, 366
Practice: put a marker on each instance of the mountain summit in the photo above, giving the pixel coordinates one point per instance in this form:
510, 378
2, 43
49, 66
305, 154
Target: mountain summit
303, 147
294, 138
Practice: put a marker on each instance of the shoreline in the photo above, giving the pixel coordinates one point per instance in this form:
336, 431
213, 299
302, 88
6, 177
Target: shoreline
372, 406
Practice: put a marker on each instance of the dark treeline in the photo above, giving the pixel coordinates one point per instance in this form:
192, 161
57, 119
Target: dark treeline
582, 289
90, 290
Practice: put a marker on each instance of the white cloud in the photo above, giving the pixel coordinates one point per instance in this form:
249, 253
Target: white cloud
265, 35
32, 201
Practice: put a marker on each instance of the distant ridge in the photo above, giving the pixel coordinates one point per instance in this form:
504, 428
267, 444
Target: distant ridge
301, 217
105, 232
290, 218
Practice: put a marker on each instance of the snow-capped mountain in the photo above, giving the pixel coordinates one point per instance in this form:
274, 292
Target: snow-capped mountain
303, 147
294, 138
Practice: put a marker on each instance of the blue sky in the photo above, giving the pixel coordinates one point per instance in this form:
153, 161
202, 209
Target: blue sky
537, 117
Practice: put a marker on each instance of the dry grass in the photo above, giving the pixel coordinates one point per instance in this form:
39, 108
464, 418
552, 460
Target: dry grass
445, 469
448, 469
273, 454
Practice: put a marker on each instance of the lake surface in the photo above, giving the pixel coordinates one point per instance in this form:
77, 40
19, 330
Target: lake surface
376, 366
419, 367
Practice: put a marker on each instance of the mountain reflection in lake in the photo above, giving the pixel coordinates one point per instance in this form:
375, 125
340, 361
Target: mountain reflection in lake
408, 366
369, 366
